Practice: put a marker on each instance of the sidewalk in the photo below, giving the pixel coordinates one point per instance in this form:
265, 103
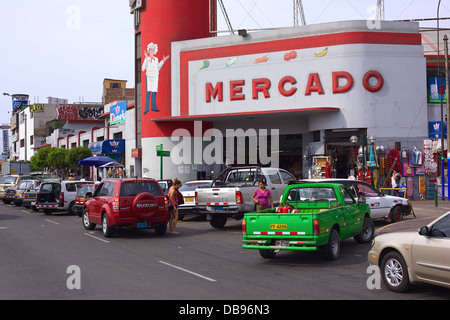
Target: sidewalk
425, 211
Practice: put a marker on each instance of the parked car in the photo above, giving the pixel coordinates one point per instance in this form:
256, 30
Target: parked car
9, 182
80, 197
127, 202
387, 207
406, 258
23, 187
12, 180
57, 196
9, 194
165, 185
187, 190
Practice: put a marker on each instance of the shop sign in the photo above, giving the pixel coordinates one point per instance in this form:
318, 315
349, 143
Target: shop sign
435, 130
277, 81
436, 90
117, 113
136, 153
37, 108
286, 86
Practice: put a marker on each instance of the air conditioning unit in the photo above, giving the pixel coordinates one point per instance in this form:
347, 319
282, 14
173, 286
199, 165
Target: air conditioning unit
136, 4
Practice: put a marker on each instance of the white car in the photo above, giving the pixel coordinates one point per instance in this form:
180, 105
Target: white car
58, 196
389, 208
405, 258
188, 192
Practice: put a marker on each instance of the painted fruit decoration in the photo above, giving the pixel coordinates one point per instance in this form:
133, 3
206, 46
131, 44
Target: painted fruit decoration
264, 58
290, 55
204, 64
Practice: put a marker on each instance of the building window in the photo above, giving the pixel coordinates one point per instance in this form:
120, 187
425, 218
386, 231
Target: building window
117, 136
22, 143
31, 140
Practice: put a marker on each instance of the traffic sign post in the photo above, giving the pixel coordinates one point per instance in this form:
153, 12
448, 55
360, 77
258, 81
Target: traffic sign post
161, 153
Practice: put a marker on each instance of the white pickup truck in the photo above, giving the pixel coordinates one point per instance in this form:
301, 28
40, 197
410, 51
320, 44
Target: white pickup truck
231, 192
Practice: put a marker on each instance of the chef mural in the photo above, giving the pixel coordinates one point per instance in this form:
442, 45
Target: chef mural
152, 67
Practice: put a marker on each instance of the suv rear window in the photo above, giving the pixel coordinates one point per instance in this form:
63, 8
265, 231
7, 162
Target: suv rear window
130, 189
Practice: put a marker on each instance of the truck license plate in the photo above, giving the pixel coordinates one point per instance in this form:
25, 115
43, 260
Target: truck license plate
278, 226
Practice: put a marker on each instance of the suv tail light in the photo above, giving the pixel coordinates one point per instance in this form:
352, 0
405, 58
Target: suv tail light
61, 199
115, 205
239, 199
196, 198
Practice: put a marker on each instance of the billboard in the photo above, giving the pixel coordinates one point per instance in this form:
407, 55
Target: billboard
117, 113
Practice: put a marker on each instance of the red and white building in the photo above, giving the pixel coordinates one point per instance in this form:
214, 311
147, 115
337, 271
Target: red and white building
310, 88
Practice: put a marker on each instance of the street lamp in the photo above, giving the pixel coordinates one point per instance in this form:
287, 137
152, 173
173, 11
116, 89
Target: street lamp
354, 140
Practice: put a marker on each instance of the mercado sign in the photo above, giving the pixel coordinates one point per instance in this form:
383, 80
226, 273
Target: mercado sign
318, 72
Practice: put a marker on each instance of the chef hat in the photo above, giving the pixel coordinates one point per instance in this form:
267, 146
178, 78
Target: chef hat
154, 45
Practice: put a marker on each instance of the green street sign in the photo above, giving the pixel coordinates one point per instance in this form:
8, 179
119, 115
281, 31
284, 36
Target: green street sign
159, 147
163, 153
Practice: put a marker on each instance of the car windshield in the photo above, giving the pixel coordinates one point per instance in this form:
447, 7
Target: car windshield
367, 191
311, 194
130, 189
84, 189
8, 180
192, 186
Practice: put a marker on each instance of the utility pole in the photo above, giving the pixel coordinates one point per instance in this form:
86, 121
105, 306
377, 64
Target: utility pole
448, 110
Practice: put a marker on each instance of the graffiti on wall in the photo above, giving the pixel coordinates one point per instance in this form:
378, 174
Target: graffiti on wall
75, 112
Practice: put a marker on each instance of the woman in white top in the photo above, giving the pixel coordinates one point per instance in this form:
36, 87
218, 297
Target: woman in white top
152, 65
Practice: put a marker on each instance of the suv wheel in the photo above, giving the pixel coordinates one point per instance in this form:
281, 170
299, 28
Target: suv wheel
86, 223
161, 229
107, 230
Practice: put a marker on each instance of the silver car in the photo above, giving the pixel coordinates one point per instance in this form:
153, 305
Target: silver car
405, 258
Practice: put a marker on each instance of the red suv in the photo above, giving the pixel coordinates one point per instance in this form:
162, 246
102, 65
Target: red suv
135, 203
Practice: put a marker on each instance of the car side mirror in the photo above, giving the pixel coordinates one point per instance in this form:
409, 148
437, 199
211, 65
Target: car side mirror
88, 195
424, 231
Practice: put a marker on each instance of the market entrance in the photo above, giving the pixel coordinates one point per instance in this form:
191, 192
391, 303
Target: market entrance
342, 153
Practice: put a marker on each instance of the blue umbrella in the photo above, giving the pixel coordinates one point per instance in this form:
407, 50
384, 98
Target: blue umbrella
96, 161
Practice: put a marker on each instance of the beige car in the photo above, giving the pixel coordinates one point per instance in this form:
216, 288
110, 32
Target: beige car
406, 258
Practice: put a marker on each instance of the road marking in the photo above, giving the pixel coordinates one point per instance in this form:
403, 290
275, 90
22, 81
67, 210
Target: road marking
51, 221
27, 212
96, 238
187, 271
3, 228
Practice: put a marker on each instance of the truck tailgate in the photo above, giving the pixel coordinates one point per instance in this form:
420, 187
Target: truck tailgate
216, 196
278, 225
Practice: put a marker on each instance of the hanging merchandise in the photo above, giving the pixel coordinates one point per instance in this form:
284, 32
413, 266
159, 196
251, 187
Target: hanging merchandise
415, 157
394, 156
372, 157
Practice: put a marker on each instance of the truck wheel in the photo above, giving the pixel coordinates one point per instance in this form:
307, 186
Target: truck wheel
333, 247
218, 222
367, 232
86, 223
267, 254
395, 272
107, 230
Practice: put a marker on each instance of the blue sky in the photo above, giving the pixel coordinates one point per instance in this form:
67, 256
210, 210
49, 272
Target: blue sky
65, 49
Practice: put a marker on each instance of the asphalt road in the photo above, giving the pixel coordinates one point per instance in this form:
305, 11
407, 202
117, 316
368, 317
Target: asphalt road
39, 253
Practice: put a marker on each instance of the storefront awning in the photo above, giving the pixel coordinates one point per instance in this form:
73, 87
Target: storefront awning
108, 147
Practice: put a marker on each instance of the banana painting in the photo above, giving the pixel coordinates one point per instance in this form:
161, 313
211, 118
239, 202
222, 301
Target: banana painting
321, 53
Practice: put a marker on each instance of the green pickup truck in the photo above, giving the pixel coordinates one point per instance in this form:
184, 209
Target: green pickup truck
311, 216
